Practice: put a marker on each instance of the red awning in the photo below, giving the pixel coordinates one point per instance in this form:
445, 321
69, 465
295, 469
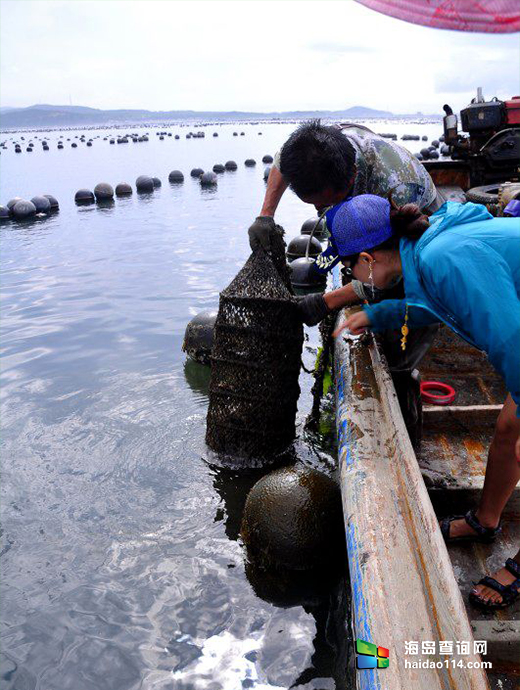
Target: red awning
490, 16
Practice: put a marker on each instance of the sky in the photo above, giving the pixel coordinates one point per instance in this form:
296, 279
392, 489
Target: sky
256, 55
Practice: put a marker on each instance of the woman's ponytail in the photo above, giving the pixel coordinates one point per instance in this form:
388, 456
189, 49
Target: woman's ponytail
408, 220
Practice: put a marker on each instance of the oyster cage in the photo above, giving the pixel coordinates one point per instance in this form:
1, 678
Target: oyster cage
255, 364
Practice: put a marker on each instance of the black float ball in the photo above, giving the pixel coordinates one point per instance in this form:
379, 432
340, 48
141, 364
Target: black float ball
298, 247
435, 143
103, 191
218, 168
74, 145
267, 158
89, 143
42, 204
250, 163
144, 184
208, 179
23, 209
53, 202
293, 518
424, 137
84, 196
123, 189
11, 203
418, 156
156, 182
445, 150
4, 213
304, 277
197, 172
176, 176
231, 165
321, 230
434, 154
235, 134
112, 141
198, 338
425, 153
215, 134
177, 136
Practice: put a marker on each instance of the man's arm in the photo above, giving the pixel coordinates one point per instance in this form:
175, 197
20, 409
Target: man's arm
260, 232
276, 186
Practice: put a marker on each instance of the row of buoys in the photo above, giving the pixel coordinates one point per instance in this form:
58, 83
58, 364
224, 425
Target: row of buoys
302, 252
21, 209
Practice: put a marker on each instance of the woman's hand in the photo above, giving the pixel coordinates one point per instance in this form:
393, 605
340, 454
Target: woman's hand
356, 324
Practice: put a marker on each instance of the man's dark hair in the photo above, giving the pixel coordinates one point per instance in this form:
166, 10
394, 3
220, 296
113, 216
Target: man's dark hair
316, 157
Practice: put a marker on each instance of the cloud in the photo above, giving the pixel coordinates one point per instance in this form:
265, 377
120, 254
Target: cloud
331, 47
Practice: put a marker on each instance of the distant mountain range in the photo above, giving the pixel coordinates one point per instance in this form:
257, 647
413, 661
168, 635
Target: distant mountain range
43, 115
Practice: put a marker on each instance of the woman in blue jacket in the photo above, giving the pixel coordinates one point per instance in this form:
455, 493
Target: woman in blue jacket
460, 267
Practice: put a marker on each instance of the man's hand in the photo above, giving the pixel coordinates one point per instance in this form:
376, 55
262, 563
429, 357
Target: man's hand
260, 233
517, 449
312, 308
356, 324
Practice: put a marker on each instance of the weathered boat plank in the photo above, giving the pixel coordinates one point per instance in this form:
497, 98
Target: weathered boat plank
402, 581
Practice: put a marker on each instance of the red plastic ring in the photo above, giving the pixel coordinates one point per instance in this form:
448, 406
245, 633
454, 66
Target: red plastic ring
446, 396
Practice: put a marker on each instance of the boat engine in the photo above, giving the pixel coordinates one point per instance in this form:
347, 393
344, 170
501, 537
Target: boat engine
492, 144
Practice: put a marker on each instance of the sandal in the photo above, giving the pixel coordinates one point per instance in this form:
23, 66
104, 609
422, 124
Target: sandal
509, 593
486, 535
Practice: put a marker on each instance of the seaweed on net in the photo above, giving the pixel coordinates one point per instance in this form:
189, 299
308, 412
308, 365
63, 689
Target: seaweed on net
255, 363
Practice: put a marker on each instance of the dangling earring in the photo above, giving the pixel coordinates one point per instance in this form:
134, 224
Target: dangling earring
371, 279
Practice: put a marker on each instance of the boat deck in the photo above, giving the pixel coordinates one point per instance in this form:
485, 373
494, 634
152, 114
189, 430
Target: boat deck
453, 460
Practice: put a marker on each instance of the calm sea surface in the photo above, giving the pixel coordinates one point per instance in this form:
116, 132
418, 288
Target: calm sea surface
122, 567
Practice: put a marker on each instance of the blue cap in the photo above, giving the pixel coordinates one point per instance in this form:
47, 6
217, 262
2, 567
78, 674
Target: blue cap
359, 223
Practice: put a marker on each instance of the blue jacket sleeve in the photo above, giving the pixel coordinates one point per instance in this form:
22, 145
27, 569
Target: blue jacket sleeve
389, 314
474, 284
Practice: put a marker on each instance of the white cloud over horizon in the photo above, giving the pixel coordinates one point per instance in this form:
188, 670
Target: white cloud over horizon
256, 55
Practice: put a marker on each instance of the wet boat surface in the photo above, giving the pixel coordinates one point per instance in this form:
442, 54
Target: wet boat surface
405, 584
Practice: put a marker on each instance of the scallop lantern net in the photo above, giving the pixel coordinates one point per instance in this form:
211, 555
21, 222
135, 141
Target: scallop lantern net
255, 362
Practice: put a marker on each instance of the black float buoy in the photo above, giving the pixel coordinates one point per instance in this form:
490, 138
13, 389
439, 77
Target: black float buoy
425, 153
215, 134
250, 163
235, 134
434, 154
74, 145
123, 189
42, 204
89, 143
231, 165
53, 202
11, 203
297, 247
103, 192
293, 518
418, 156
4, 213
218, 168
197, 172
442, 137
144, 184
112, 141
445, 150
304, 277
435, 144
177, 136
321, 231
242, 134
84, 196
156, 182
424, 137
176, 176
267, 171
267, 158
208, 179
23, 209
198, 337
